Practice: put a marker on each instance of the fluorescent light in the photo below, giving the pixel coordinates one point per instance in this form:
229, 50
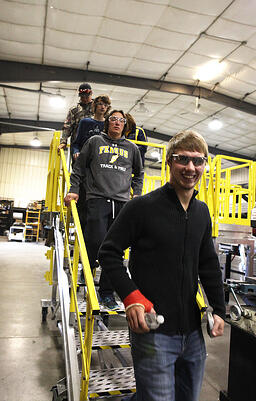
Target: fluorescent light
142, 108
215, 124
210, 70
35, 142
155, 155
57, 101
197, 105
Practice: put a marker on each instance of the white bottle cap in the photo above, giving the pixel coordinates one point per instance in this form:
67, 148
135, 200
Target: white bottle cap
160, 319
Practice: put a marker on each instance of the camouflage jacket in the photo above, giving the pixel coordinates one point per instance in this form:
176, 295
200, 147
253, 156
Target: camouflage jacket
73, 118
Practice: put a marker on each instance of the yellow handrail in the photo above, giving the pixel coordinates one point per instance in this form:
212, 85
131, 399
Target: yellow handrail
58, 179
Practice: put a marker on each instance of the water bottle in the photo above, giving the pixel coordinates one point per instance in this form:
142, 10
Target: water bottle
153, 320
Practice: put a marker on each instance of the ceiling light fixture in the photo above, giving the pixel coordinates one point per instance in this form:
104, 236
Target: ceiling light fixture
155, 154
57, 101
215, 124
198, 105
142, 108
210, 70
35, 142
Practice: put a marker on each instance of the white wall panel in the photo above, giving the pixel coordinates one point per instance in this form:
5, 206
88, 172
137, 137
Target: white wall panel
240, 176
23, 175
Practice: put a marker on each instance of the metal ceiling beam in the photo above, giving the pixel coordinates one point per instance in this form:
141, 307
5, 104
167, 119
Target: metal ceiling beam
47, 148
8, 125
11, 71
18, 88
18, 125
214, 150
24, 147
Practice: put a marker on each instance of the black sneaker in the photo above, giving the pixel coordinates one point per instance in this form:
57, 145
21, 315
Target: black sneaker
110, 303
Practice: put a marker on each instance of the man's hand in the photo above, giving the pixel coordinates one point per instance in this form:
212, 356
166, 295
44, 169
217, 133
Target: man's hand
69, 197
62, 146
136, 319
75, 155
218, 327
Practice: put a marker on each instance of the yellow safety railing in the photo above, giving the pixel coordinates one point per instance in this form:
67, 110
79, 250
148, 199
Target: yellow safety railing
232, 203
151, 181
57, 183
52, 175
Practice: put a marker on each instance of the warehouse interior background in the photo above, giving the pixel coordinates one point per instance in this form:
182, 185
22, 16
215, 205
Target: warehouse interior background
172, 64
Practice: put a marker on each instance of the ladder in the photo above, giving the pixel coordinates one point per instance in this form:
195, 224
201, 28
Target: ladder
32, 225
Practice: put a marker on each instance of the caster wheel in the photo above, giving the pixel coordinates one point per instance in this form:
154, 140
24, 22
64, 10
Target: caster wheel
44, 313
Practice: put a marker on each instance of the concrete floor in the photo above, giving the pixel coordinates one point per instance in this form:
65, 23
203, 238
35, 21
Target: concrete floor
31, 360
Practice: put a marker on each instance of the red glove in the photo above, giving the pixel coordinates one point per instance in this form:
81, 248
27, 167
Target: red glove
136, 298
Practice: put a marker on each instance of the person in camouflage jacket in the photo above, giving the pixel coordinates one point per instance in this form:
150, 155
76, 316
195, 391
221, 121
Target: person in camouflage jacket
82, 110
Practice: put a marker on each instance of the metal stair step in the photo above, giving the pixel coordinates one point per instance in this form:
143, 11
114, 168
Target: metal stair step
109, 339
103, 309
110, 382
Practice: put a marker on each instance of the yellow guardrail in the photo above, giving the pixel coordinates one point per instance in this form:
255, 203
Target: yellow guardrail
57, 184
52, 175
152, 182
232, 203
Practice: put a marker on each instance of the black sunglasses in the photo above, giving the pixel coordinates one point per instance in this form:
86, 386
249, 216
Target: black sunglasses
184, 160
85, 92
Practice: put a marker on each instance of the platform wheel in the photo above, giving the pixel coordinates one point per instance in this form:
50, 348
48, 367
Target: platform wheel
44, 313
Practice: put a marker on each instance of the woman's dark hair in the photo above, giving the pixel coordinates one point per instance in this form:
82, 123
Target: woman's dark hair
106, 125
130, 124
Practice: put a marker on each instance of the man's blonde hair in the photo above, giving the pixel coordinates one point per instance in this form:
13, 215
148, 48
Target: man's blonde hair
187, 140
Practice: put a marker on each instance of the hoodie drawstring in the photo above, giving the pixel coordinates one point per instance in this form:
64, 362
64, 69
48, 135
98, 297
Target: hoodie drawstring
112, 207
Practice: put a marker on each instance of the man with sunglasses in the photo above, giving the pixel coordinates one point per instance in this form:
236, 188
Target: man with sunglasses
82, 110
111, 165
170, 235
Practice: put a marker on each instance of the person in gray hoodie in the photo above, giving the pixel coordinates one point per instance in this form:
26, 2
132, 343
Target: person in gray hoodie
112, 166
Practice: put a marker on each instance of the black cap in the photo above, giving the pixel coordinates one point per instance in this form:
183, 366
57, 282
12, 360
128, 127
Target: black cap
85, 89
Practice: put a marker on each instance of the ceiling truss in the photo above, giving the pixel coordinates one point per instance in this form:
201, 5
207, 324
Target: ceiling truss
11, 71
18, 125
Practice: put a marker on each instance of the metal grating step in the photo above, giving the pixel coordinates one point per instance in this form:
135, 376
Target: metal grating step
111, 339
103, 309
108, 339
110, 382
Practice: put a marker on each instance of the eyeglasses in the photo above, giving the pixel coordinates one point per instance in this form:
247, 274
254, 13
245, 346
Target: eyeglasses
184, 160
85, 92
121, 119
101, 104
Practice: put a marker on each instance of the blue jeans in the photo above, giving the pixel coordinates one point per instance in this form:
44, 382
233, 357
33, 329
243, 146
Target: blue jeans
168, 368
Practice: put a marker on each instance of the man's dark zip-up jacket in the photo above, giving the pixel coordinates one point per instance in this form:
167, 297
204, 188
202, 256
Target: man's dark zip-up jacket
170, 248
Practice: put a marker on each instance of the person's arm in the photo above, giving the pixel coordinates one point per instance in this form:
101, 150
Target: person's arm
138, 173
122, 233
77, 144
141, 136
69, 197
77, 174
67, 127
211, 279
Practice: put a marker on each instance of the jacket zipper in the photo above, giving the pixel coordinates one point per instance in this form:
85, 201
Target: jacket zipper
183, 270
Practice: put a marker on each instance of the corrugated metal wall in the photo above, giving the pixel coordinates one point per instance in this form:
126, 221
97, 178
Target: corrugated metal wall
240, 176
23, 175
